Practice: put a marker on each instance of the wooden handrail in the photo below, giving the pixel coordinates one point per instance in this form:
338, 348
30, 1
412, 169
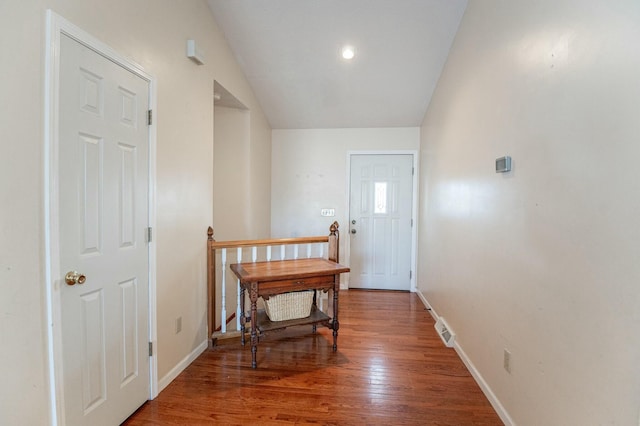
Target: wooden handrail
212, 245
268, 242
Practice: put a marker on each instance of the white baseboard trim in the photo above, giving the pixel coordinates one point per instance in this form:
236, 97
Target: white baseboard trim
427, 305
179, 368
493, 400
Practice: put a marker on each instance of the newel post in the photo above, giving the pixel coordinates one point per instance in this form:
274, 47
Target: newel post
211, 283
334, 242
333, 255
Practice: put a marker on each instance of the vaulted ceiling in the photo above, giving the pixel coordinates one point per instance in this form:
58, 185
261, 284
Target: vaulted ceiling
290, 50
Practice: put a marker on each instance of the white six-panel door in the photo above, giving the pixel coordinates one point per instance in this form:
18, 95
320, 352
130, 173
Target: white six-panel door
103, 204
380, 221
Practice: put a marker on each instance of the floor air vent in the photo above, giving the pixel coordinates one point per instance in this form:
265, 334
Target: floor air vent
445, 332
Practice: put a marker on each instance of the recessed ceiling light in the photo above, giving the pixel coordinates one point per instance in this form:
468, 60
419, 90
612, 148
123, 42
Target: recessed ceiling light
348, 52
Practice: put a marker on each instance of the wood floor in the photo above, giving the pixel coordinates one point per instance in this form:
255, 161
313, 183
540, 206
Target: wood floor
391, 368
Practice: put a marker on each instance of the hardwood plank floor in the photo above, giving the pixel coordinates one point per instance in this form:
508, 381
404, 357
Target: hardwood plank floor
390, 368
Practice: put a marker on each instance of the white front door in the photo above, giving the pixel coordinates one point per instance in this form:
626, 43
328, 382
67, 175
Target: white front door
103, 207
380, 224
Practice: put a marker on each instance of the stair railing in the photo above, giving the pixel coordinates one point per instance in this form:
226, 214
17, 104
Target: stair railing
221, 282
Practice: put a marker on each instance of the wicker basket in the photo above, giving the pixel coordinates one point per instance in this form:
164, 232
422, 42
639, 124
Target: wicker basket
288, 306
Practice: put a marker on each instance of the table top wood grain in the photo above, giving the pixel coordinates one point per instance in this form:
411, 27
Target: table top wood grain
286, 269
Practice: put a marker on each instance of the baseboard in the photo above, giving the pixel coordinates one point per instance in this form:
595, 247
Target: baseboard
425, 302
179, 368
493, 400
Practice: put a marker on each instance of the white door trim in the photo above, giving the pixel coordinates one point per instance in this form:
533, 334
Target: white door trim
56, 26
414, 207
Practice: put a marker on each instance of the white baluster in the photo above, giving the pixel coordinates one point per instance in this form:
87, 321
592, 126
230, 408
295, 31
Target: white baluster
295, 251
321, 250
223, 323
268, 253
238, 313
254, 253
309, 250
282, 251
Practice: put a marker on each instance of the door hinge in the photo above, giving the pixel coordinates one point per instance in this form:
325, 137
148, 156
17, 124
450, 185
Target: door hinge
410, 274
149, 117
150, 348
413, 171
149, 234
412, 222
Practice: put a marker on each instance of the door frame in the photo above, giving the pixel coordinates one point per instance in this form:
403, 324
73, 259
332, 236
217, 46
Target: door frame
56, 26
414, 207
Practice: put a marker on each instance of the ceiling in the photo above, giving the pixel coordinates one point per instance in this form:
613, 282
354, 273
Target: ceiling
289, 51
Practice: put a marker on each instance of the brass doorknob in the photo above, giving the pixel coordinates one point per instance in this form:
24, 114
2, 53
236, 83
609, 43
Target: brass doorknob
74, 277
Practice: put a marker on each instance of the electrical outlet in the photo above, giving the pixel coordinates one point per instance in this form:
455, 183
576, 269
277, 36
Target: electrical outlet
506, 360
178, 325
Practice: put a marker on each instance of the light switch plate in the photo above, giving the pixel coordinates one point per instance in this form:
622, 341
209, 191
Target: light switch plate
328, 212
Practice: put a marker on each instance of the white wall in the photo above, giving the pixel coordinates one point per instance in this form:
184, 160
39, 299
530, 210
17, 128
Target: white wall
544, 260
153, 34
241, 176
309, 172
231, 217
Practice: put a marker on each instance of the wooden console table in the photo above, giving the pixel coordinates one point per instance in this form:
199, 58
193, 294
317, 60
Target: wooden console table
264, 279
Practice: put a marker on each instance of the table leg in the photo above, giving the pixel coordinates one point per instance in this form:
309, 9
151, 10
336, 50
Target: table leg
243, 319
314, 307
253, 295
336, 324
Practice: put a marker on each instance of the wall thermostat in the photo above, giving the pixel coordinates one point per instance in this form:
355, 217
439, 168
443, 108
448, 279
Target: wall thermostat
503, 164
